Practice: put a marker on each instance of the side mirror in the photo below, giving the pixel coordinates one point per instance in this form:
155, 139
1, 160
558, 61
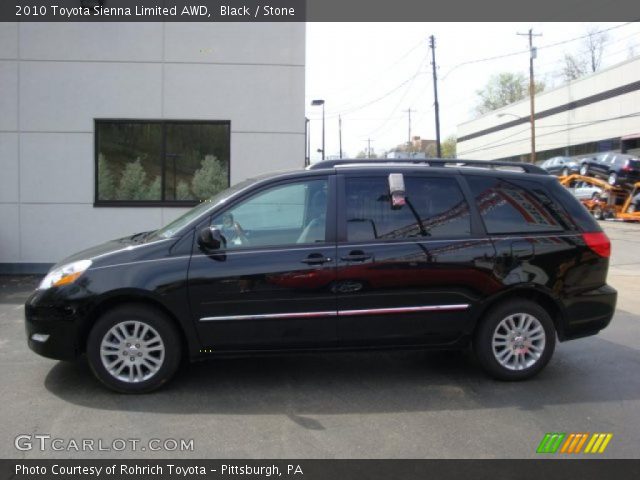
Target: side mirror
210, 238
397, 191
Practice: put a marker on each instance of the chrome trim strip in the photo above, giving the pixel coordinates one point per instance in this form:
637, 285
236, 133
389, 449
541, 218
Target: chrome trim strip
330, 313
342, 313
382, 311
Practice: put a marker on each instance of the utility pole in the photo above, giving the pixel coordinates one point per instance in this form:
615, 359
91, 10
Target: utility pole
409, 112
432, 44
532, 90
340, 133
368, 148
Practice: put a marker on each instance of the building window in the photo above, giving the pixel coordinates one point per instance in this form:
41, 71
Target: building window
151, 162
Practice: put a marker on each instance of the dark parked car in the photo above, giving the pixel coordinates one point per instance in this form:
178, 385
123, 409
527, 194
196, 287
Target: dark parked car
561, 166
342, 256
616, 168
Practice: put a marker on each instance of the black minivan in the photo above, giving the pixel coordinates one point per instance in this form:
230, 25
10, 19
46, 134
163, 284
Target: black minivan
342, 256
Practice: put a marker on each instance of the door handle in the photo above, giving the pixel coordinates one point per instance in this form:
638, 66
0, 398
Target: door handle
316, 259
356, 256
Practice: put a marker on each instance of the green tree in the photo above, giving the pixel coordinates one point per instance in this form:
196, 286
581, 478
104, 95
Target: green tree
449, 147
210, 178
183, 192
504, 89
154, 190
132, 182
106, 180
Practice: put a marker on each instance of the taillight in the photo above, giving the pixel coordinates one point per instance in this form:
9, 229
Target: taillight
598, 242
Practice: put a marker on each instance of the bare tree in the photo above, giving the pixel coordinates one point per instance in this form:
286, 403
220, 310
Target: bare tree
589, 57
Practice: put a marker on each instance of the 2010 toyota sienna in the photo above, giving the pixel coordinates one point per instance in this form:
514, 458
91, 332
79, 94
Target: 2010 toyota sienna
342, 256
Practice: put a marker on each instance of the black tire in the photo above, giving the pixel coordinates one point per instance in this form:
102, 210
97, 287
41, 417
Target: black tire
483, 339
597, 213
584, 170
159, 325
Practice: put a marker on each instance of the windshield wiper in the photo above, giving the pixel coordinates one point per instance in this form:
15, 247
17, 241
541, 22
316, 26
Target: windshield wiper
141, 237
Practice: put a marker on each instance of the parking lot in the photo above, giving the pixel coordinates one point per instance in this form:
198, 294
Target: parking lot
371, 405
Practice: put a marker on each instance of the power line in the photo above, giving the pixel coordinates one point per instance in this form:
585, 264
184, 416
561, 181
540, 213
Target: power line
380, 71
395, 108
382, 97
520, 52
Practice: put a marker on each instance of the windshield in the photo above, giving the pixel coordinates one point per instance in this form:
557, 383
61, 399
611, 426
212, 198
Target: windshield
179, 223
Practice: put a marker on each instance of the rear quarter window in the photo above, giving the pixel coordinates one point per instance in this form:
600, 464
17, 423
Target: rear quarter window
521, 206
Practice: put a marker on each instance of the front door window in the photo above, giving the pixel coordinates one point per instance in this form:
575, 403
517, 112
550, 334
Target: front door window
289, 214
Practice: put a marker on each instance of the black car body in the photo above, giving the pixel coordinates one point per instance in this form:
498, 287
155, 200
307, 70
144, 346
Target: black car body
616, 168
561, 166
334, 258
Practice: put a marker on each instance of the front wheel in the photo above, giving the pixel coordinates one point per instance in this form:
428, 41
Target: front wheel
134, 349
515, 340
597, 213
584, 170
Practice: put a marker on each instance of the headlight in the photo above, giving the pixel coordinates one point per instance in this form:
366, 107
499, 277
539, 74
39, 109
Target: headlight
64, 275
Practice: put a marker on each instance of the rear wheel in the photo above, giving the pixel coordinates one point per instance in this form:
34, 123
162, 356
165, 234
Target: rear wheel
134, 349
515, 340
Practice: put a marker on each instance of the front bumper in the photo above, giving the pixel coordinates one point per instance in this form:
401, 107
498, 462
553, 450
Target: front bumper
55, 328
588, 312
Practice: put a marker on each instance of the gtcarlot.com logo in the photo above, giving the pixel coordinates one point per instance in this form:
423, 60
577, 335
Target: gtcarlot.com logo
574, 442
45, 442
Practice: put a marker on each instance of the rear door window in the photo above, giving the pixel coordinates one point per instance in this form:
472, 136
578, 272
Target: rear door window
435, 208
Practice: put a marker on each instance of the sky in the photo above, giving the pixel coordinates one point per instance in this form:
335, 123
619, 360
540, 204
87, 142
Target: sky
372, 73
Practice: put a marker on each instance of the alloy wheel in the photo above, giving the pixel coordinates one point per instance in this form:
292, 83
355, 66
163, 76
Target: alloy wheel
132, 351
518, 341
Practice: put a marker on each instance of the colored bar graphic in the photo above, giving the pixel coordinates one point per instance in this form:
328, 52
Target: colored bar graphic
550, 442
598, 443
572, 443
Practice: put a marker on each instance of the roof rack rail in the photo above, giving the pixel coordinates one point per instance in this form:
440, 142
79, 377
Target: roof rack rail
429, 162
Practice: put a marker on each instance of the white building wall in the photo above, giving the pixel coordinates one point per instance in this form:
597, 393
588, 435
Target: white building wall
573, 127
56, 78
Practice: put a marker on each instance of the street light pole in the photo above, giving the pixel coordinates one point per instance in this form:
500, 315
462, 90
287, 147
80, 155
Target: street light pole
307, 146
316, 103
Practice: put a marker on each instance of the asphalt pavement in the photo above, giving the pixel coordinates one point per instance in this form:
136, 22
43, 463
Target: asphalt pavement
338, 405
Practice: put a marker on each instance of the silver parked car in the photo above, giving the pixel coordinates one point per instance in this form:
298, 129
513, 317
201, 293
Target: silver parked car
585, 191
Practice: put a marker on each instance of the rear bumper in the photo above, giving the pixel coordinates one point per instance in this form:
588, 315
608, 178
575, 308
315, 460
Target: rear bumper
588, 312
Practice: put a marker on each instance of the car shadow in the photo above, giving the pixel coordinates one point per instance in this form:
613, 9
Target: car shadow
588, 370
15, 289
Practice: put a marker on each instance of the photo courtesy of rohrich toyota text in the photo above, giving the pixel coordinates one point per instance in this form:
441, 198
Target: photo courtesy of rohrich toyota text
319, 239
